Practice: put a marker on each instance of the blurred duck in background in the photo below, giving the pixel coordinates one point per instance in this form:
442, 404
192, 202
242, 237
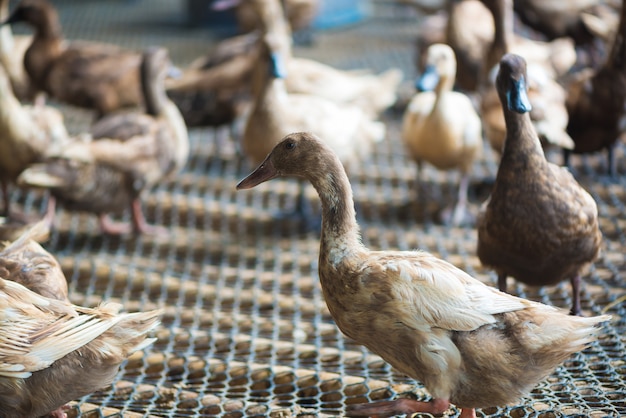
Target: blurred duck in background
441, 127
596, 102
546, 62
124, 155
276, 112
97, 76
27, 135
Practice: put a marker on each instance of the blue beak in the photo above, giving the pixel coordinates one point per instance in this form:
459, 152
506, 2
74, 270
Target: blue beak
428, 80
517, 97
277, 66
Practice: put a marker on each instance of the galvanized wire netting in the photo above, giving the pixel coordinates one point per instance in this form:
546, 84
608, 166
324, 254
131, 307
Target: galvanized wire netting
245, 330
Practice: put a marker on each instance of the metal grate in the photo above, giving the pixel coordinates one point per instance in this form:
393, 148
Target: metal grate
246, 331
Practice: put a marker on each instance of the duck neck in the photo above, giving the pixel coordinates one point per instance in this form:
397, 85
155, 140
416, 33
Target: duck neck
617, 56
340, 231
521, 140
153, 90
50, 27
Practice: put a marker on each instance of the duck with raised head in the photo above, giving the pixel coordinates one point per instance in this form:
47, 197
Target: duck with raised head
595, 102
27, 135
12, 51
125, 154
98, 76
468, 343
546, 62
54, 352
470, 42
373, 93
275, 113
539, 225
441, 127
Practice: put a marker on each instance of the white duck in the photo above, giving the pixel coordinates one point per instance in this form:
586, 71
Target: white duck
441, 127
468, 343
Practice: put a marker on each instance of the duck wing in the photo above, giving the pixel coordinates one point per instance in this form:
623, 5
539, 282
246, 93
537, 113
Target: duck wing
426, 292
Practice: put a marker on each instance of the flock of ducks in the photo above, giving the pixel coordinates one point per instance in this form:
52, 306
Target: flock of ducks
470, 344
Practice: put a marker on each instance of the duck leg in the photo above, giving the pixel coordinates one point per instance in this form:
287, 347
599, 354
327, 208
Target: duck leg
110, 227
140, 225
458, 214
575, 281
404, 406
502, 282
5, 199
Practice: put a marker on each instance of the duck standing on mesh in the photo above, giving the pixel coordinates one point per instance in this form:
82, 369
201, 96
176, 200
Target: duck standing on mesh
468, 343
539, 225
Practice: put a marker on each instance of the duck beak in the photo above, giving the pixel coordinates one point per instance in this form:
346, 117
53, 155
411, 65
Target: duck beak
517, 97
429, 79
277, 65
266, 171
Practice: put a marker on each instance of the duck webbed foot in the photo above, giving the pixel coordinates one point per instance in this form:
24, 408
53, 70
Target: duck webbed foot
141, 226
111, 227
59, 412
400, 406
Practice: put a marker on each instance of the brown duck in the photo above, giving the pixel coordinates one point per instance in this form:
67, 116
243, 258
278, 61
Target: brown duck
26, 262
596, 102
468, 343
539, 225
93, 75
129, 153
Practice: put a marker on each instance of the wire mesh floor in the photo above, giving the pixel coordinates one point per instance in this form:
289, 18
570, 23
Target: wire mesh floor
246, 331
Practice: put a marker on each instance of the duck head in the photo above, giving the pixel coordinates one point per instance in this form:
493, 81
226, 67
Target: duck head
511, 84
35, 12
295, 155
440, 67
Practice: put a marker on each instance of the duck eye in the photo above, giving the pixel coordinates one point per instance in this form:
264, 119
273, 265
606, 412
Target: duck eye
290, 145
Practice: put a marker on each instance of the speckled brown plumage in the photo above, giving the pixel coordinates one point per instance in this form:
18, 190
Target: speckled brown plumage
26, 262
596, 102
126, 154
469, 344
87, 74
539, 225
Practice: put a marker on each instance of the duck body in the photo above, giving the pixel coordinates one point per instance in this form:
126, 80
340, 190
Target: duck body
60, 345
124, 154
539, 225
27, 135
85, 74
469, 344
